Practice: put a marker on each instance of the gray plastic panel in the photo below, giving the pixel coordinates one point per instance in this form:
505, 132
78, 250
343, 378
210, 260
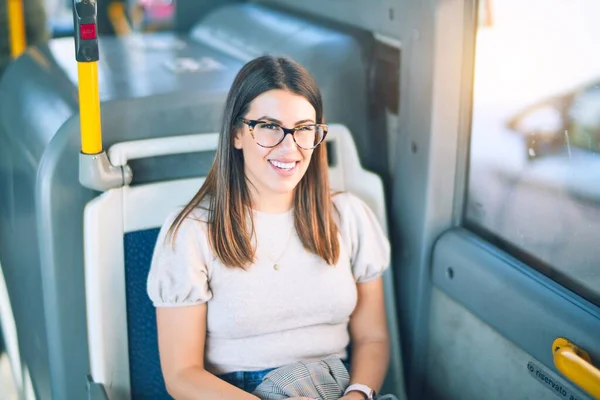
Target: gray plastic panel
526, 307
188, 12
469, 360
24, 133
379, 16
142, 66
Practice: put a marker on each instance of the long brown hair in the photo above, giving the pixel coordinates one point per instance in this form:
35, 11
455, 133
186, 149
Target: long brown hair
225, 190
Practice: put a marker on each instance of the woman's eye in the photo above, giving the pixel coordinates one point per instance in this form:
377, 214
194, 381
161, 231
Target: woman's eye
305, 128
271, 126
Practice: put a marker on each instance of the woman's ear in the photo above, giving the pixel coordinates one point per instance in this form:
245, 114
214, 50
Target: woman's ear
237, 139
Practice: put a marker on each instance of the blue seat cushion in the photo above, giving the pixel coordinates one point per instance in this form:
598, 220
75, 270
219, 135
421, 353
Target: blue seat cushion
144, 364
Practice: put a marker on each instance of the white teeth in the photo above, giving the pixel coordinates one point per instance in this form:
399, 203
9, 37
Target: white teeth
286, 166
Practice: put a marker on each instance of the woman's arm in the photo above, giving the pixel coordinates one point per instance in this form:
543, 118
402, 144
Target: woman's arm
370, 341
181, 339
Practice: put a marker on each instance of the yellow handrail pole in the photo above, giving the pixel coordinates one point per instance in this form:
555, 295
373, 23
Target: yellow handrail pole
16, 24
87, 55
89, 107
575, 364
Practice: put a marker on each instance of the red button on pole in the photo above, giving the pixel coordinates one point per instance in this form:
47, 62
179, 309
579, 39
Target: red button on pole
88, 31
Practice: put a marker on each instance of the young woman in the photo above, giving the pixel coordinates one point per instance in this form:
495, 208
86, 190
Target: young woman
265, 266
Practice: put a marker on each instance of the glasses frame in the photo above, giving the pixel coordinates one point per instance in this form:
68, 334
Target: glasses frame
286, 131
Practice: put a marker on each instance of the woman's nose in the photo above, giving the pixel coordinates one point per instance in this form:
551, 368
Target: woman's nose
288, 143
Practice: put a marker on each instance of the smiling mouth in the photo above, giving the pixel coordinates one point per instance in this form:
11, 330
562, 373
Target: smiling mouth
285, 166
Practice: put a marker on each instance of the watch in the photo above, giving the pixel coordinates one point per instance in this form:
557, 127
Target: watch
358, 387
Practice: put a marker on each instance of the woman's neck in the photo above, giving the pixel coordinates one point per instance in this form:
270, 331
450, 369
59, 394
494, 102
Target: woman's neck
274, 203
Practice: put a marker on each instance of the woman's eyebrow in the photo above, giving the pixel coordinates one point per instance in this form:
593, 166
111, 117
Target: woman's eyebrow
304, 121
267, 118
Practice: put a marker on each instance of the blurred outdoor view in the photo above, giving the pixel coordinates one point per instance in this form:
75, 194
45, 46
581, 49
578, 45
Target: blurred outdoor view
534, 180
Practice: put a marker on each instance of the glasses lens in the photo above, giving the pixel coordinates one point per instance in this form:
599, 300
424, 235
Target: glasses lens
267, 134
309, 136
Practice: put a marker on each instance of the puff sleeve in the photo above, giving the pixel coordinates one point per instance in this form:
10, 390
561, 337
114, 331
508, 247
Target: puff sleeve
179, 274
364, 237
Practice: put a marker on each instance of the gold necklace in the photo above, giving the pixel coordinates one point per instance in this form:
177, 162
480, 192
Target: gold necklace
275, 262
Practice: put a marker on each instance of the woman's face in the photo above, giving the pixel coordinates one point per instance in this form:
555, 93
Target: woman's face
275, 172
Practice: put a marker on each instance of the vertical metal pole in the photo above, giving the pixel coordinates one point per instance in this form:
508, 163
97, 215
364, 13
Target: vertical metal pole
87, 55
16, 24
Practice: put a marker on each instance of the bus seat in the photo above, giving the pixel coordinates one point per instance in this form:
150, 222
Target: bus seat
120, 230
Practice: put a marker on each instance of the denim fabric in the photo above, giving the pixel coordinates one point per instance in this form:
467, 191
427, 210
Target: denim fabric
246, 380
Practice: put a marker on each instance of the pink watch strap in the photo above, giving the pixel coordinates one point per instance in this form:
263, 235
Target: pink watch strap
358, 387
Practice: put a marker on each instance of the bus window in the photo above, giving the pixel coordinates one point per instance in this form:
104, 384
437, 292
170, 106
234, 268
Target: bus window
534, 175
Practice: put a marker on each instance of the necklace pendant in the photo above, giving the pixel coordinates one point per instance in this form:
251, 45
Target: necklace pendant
276, 267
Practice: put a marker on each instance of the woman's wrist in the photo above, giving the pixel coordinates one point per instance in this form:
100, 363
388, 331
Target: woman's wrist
355, 395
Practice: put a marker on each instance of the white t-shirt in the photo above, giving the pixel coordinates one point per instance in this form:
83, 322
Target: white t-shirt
264, 317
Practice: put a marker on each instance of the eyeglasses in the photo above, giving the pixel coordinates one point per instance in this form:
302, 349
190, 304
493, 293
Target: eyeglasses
269, 134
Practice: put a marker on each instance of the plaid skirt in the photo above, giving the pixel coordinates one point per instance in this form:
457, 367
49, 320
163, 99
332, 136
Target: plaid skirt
250, 380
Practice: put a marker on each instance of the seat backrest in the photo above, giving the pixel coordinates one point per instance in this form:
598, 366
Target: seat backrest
120, 230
